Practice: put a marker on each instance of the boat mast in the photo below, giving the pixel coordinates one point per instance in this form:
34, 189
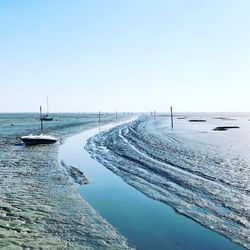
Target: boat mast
41, 118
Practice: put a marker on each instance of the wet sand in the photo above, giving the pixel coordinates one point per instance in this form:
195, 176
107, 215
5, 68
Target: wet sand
147, 223
39, 207
204, 176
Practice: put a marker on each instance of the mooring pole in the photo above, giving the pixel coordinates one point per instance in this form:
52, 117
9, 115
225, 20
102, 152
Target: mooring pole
47, 106
41, 117
154, 115
171, 111
99, 116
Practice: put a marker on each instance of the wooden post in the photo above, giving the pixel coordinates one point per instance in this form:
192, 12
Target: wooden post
171, 111
99, 116
41, 117
154, 115
47, 106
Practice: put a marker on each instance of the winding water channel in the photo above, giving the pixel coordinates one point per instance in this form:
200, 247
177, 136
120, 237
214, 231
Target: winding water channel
147, 224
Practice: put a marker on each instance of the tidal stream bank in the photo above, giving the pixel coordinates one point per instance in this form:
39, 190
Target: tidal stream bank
145, 222
39, 207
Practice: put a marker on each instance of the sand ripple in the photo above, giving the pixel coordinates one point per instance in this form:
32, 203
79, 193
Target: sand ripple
197, 178
39, 208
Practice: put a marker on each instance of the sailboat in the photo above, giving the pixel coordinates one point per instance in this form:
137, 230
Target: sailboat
47, 117
39, 139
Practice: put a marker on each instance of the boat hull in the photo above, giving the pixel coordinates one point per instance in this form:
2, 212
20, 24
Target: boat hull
47, 119
28, 141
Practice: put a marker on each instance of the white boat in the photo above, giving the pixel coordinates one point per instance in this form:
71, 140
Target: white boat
38, 139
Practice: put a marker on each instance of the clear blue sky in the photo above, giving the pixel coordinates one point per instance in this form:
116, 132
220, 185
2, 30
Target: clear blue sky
131, 55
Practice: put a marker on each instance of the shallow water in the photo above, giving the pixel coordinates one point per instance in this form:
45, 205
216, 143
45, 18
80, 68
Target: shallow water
201, 173
39, 207
147, 223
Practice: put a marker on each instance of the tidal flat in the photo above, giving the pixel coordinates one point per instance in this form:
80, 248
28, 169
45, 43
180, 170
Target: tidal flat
39, 207
201, 173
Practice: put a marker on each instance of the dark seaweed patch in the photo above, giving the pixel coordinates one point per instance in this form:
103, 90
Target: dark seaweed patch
197, 120
225, 128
